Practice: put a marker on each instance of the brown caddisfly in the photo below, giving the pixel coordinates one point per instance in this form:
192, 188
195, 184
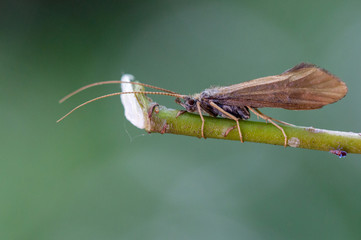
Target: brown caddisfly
303, 87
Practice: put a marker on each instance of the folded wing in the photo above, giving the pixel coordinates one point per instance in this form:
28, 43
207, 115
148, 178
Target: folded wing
303, 87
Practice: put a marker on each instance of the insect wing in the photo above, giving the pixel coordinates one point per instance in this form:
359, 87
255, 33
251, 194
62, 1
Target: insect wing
303, 87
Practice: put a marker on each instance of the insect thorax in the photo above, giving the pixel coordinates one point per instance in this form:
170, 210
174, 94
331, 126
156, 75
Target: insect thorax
207, 96
190, 105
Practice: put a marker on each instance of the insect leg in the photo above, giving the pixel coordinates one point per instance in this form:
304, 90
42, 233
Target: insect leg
200, 114
230, 116
180, 113
266, 118
228, 131
285, 123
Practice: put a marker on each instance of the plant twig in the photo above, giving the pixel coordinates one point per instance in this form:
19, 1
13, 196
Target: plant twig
164, 120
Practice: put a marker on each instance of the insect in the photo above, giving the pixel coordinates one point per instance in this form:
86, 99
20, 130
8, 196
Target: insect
339, 152
303, 87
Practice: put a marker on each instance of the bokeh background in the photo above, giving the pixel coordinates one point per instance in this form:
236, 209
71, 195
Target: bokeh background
95, 176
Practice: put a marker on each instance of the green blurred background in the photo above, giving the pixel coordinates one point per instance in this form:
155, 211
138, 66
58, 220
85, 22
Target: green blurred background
95, 176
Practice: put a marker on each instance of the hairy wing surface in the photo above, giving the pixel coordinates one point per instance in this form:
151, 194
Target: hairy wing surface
303, 87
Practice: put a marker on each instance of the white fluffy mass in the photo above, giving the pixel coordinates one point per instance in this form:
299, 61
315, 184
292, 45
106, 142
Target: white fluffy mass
132, 110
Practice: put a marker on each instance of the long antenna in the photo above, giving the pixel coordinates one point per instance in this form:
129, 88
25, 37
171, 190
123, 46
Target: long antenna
120, 93
111, 82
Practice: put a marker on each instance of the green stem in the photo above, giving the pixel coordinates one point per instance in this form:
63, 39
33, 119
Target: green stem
163, 120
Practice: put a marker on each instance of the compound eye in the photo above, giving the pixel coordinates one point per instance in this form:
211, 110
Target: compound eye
191, 102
